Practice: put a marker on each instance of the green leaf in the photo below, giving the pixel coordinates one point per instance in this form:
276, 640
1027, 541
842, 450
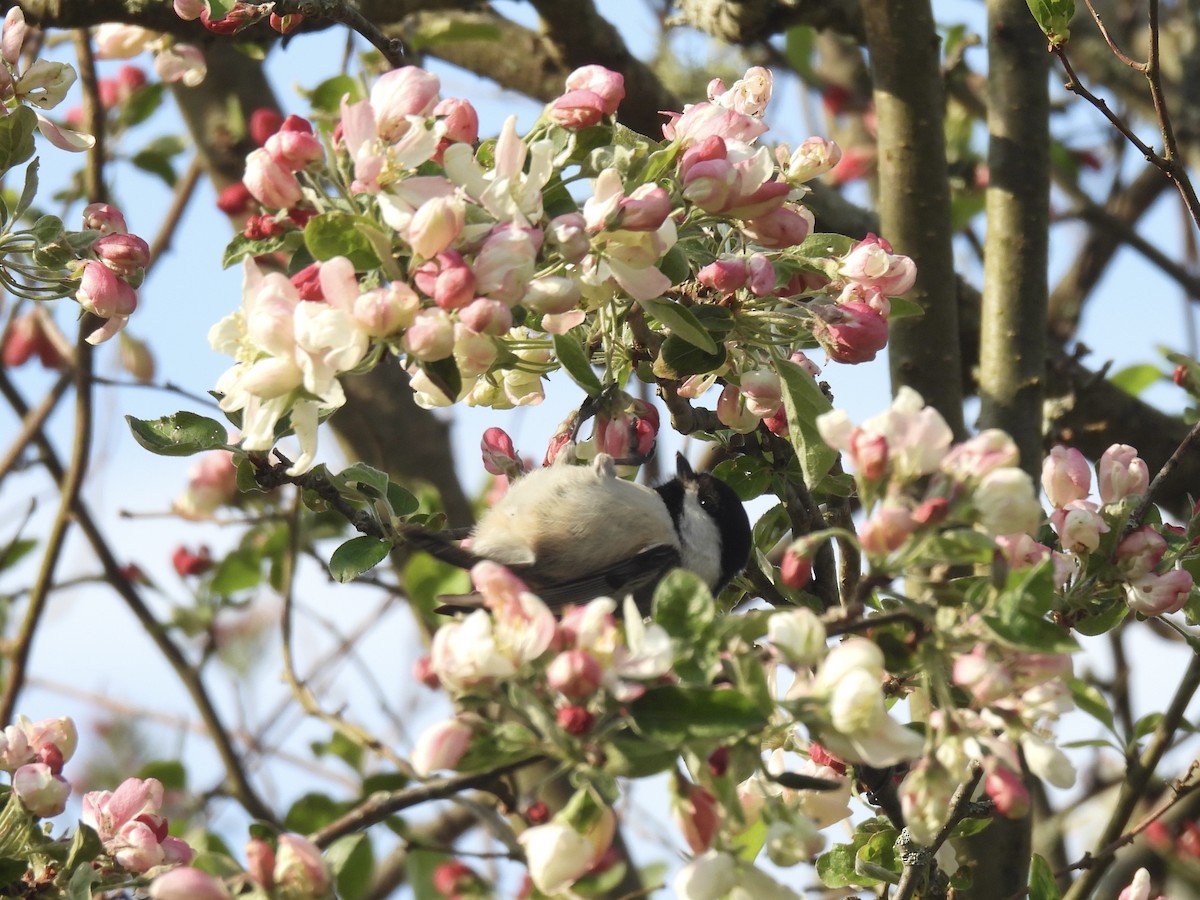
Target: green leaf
352, 862
1102, 621
803, 402
327, 96
365, 479
29, 191
357, 555
1026, 631
1091, 701
85, 846
836, 868
170, 772
682, 323
674, 715
241, 570
156, 164
16, 137
1054, 18
1042, 885
749, 476
402, 502
1135, 379
48, 229
630, 756
900, 308
445, 376
339, 745
83, 880
15, 550
683, 605
144, 102
574, 359
182, 434
823, 246
336, 234
310, 812
876, 859
241, 246
678, 359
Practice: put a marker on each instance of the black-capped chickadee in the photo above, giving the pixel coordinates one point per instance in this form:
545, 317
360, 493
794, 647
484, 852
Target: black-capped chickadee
574, 533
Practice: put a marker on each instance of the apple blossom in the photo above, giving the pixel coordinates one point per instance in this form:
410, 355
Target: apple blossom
28, 337
734, 412
462, 121
871, 261
709, 876
575, 674
786, 226
430, 337
887, 528
436, 225
1007, 791
123, 253
399, 94
798, 635
1065, 476
1140, 552
102, 292
271, 183
558, 854
212, 483
989, 450
116, 40
703, 120
300, 873
386, 310
1047, 761
1157, 595
1139, 887
850, 332
293, 145
186, 883
104, 218
127, 823
447, 279
181, 64
1078, 525
13, 36
576, 109
499, 454
440, 746
696, 812
725, 275
606, 84
815, 156
1006, 503
40, 789
1121, 473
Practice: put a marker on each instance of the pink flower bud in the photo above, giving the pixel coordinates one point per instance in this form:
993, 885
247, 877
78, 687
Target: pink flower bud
1140, 552
407, 91
270, 183
872, 262
440, 747
576, 109
800, 358
795, 569
724, 275
762, 391
784, 227
186, 883
436, 225
383, 311
116, 40
1066, 476
294, 145
645, 209
188, 563
264, 122
762, 275
484, 316
455, 879
575, 720
608, 85
1007, 791
732, 411
123, 253
710, 184
260, 862
40, 790
568, 233
575, 674
850, 332
932, 511
28, 338
103, 293
299, 869
886, 530
308, 283
13, 36
431, 336
103, 218
1157, 595
236, 199
447, 279
868, 452
984, 679
499, 454
181, 64
697, 814
462, 121
1122, 473
813, 157
188, 10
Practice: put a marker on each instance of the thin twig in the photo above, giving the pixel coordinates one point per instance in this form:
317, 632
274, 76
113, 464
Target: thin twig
184, 188
960, 804
1112, 45
349, 15
1139, 511
33, 422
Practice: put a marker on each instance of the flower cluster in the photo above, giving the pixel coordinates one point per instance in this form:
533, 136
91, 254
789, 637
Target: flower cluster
474, 266
128, 823
174, 62
33, 753
114, 268
1141, 559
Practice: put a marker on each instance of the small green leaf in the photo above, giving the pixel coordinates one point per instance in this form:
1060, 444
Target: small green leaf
327, 96
749, 476
1025, 631
1042, 885
357, 555
48, 229
683, 605
241, 570
1135, 379
674, 715
14, 550
352, 862
678, 358
900, 308
1091, 701
402, 502
682, 323
571, 354
365, 479
445, 376
803, 402
156, 164
337, 234
83, 880
144, 102
1054, 18
16, 137
29, 191
823, 245
170, 772
182, 434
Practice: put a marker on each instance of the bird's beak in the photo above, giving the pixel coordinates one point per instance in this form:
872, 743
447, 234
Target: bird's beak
683, 469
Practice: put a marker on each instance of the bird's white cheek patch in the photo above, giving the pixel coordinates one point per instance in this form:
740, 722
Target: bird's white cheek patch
701, 540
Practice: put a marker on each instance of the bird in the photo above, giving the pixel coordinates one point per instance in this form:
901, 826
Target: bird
576, 532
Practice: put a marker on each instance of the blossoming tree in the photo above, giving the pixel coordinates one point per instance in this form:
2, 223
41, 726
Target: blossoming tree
872, 704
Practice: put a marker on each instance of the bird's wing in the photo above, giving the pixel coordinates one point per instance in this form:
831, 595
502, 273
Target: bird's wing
637, 575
